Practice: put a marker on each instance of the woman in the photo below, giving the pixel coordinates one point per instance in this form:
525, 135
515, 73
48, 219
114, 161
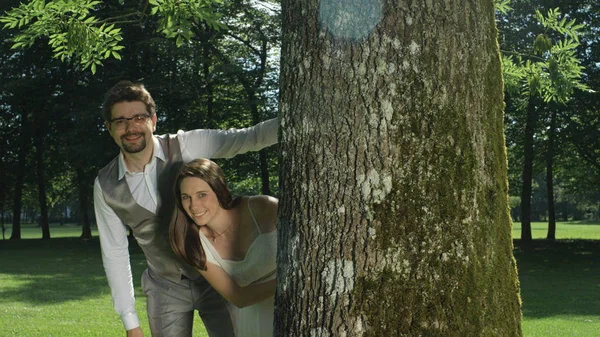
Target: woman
232, 242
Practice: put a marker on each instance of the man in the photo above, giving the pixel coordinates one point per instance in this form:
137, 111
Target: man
136, 190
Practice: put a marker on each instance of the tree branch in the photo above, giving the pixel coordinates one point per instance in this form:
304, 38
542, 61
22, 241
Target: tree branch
529, 56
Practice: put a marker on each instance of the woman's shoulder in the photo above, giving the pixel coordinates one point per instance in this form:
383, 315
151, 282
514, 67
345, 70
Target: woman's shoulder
264, 209
262, 200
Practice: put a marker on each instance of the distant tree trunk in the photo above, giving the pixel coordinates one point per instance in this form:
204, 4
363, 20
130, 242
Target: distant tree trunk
528, 171
253, 100
2, 202
40, 167
265, 185
206, 69
393, 216
549, 178
24, 140
262, 154
3, 216
83, 189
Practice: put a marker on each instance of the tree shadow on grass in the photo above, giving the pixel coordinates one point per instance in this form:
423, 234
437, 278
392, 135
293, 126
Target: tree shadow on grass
559, 278
56, 270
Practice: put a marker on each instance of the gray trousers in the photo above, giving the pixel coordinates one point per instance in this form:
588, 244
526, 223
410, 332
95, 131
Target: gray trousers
171, 307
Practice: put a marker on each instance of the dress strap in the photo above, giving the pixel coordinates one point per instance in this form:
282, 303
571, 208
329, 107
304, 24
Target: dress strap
210, 252
253, 218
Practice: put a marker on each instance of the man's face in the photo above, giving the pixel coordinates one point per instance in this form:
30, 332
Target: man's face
131, 126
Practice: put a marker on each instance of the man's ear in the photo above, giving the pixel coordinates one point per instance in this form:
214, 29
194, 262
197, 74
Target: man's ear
108, 127
153, 122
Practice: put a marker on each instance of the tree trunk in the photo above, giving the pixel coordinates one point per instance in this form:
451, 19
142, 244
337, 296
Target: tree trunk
263, 159
549, 179
2, 202
262, 154
527, 172
394, 217
3, 219
206, 70
253, 100
39, 154
82, 187
20, 178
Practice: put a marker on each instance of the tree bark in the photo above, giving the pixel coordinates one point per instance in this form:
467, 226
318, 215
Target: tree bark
527, 171
551, 235
394, 216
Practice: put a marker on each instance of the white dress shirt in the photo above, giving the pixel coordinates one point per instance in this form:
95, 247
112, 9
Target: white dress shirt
143, 186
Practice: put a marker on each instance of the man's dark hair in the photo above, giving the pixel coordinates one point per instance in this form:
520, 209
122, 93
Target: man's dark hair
127, 91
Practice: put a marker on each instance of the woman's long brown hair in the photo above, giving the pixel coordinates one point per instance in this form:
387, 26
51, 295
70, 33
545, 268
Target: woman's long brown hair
183, 232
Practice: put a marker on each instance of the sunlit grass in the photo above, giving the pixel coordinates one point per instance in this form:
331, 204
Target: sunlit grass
560, 288
33, 231
58, 288
589, 230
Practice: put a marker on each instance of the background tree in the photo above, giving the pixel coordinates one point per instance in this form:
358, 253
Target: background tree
548, 72
192, 89
394, 213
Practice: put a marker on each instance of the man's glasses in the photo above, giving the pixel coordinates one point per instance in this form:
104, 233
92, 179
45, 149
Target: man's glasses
120, 123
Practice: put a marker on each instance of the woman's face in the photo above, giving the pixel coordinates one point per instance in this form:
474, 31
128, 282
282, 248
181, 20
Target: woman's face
199, 201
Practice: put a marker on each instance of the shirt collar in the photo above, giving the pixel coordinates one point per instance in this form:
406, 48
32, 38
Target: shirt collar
158, 153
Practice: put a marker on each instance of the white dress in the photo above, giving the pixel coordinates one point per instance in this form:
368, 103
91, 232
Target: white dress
257, 266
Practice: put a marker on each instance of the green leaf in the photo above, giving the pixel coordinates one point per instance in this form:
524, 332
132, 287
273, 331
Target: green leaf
40, 5
562, 22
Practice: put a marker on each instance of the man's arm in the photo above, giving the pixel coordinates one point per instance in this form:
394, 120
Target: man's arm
115, 258
135, 332
227, 143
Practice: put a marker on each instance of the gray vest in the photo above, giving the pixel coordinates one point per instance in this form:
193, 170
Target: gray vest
150, 230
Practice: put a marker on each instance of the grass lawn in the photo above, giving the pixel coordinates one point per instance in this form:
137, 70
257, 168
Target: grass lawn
560, 281
58, 288
564, 230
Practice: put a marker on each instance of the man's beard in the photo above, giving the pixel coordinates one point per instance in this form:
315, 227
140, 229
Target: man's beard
133, 148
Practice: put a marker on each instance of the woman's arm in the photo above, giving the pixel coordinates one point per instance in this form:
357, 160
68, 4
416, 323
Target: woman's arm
232, 292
